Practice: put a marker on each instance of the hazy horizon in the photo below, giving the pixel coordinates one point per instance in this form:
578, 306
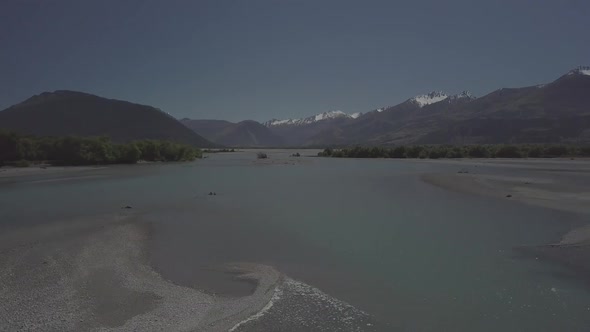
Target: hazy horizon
266, 59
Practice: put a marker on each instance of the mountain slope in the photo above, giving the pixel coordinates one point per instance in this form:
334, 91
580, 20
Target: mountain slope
331, 115
63, 113
297, 132
387, 125
209, 129
243, 134
554, 112
249, 134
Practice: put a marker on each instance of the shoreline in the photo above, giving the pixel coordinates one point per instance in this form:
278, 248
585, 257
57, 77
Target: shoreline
94, 273
541, 189
13, 172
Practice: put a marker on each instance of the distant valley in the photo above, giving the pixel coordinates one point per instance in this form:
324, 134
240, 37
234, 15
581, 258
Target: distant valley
557, 112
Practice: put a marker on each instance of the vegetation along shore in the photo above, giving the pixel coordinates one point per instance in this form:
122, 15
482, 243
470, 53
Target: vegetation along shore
21, 150
466, 151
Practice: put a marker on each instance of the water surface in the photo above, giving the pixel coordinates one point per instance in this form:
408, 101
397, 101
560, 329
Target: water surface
368, 232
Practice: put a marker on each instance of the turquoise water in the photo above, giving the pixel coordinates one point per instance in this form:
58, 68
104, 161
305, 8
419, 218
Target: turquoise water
368, 232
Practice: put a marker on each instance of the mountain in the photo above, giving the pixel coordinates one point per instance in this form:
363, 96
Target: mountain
385, 125
431, 98
331, 115
297, 132
554, 112
207, 128
62, 113
242, 134
548, 113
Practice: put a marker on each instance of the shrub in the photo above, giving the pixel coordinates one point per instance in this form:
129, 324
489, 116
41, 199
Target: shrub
535, 152
398, 152
90, 150
477, 151
508, 151
437, 152
455, 152
584, 151
414, 151
22, 163
554, 151
448, 151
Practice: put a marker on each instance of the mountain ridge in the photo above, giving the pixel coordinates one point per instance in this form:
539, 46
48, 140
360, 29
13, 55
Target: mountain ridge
441, 118
73, 113
533, 110
557, 111
247, 133
329, 115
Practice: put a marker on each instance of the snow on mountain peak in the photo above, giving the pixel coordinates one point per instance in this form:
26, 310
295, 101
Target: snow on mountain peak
329, 115
464, 94
277, 122
311, 119
431, 98
581, 70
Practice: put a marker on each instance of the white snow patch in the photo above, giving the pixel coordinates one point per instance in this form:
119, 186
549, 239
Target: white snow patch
582, 70
431, 98
329, 115
462, 95
311, 119
279, 122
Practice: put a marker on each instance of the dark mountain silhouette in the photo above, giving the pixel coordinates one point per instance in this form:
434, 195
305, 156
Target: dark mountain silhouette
63, 113
209, 129
300, 135
242, 134
550, 113
388, 124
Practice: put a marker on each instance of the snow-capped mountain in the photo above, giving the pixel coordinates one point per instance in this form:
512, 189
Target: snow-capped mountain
312, 119
581, 70
431, 98
438, 96
465, 95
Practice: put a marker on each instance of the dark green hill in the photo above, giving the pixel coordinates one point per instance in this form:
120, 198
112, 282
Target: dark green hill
65, 113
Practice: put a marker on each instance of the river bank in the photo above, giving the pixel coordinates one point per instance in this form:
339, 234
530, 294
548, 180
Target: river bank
554, 184
355, 246
9, 172
94, 274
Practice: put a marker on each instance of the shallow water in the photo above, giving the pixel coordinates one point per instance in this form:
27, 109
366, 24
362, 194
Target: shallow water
409, 256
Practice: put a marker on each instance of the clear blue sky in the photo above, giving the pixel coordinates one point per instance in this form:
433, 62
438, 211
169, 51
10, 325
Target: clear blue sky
257, 60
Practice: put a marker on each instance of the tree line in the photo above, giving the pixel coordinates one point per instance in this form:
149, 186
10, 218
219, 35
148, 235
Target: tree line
21, 150
467, 151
